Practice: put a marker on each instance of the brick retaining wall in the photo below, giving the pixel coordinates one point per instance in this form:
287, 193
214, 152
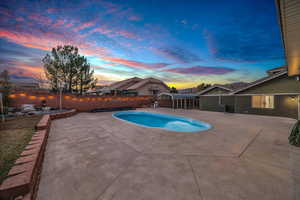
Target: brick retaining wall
23, 177
80, 103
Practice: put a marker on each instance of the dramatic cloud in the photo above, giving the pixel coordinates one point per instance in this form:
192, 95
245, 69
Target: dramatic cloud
201, 70
48, 40
146, 39
136, 64
21, 69
178, 54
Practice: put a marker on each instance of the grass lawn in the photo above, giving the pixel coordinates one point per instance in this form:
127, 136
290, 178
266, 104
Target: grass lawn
14, 136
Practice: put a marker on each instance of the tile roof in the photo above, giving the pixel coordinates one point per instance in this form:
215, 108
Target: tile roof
145, 81
120, 84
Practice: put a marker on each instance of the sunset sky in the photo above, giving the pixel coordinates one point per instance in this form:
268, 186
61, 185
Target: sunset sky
182, 42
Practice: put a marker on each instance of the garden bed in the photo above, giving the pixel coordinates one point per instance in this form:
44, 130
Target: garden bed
15, 134
23, 176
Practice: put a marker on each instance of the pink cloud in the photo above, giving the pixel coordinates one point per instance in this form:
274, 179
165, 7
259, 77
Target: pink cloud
69, 25
84, 26
6, 12
126, 34
134, 18
40, 19
24, 69
58, 23
201, 70
102, 30
114, 33
20, 19
211, 44
47, 40
135, 64
51, 10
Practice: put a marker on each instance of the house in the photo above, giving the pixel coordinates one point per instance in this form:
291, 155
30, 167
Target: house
217, 96
139, 86
289, 21
99, 90
277, 94
26, 85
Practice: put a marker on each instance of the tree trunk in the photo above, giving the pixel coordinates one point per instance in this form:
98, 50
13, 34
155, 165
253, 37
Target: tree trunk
70, 84
81, 84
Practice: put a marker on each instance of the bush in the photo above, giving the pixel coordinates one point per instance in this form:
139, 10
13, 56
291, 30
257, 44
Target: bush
294, 138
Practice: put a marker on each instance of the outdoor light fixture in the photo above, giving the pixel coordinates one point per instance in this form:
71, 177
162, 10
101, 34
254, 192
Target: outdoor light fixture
12, 96
32, 97
293, 98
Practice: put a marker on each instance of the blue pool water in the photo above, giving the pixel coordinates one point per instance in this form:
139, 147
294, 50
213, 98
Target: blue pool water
163, 121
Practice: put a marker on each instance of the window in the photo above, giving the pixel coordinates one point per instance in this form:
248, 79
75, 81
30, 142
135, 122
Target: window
262, 101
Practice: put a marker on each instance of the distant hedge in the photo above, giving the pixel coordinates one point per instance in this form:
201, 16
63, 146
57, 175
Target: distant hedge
294, 138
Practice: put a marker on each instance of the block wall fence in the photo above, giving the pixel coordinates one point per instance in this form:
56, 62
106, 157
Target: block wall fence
80, 103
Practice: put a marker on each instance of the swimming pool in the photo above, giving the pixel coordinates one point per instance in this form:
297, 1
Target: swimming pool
163, 121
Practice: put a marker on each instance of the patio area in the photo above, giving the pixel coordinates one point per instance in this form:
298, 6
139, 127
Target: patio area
94, 156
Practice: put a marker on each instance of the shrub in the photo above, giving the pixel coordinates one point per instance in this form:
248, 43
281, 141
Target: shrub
294, 138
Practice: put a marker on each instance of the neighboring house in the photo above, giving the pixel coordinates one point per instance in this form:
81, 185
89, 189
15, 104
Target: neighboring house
277, 94
25, 85
123, 85
138, 86
99, 90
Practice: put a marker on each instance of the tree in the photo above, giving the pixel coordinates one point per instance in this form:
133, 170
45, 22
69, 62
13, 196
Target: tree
202, 86
84, 76
173, 90
5, 87
65, 65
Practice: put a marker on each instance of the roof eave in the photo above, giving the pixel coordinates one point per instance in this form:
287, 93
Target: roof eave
212, 87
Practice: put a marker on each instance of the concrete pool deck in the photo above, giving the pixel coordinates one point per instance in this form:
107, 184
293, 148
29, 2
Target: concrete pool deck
95, 156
